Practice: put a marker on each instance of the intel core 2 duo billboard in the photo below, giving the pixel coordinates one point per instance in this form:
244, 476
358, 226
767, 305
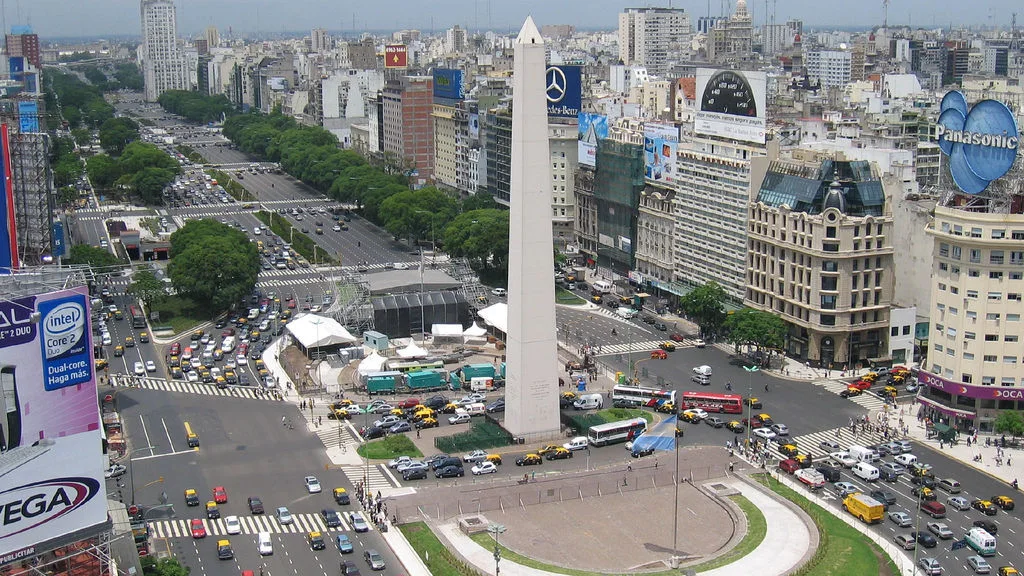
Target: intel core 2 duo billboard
981, 142
51, 469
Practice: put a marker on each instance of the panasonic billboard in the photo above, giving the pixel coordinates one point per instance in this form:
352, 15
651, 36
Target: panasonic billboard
50, 433
981, 142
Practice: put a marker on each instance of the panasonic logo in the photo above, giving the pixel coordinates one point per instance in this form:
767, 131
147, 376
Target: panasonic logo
976, 139
32, 505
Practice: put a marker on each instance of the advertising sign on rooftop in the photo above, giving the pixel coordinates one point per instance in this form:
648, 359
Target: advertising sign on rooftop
981, 143
448, 84
396, 56
592, 127
732, 104
50, 433
564, 90
661, 143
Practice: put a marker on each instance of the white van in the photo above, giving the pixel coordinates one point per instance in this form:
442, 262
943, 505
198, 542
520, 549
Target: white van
865, 471
704, 370
228, 344
862, 454
577, 443
601, 286
981, 541
264, 544
476, 409
588, 402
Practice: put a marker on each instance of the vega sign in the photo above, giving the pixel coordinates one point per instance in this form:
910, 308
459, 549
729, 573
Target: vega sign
981, 142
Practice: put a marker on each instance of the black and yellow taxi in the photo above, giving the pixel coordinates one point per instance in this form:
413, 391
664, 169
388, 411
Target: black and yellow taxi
206, 376
668, 346
753, 402
212, 512
426, 423
397, 412
925, 493
570, 395
870, 377
260, 365
191, 497
102, 364
690, 417
337, 412
529, 460
1004, 502
548, 449
559, 453
493, 459
666, 407
679, 432
450, 408
851, 392
735, 426
597, 299
316, 540
118, 351
789, 450
889, 391
1008, 571
174, 361
341, 496
224, 551
803, 460
144, 337
422, 413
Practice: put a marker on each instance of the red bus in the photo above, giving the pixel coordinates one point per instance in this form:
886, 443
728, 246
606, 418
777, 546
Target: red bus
138, 318
711, 402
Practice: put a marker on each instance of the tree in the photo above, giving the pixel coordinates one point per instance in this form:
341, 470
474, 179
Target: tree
67, 196
93, 256
480, 236
750, 327
706, 305
478, 201
139, 155
117, 133
417, 214
83, 136
147, 287
213, 263
1009, 422
149, 183
163, 567
103, 171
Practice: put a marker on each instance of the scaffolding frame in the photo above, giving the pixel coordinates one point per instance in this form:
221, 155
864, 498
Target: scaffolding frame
34, 202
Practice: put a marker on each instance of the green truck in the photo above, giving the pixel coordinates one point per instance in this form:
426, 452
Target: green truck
383, 382
425, 380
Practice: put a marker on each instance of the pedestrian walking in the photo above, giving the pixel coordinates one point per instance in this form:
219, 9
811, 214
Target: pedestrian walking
320, 420
629, 467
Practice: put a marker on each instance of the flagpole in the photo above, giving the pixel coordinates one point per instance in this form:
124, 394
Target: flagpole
423, 318
675, 512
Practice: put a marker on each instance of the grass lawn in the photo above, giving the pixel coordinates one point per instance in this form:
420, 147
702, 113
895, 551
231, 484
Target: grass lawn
388, 448
437, 558
756, 524
563, 296
842, 550
616, 414
179, 313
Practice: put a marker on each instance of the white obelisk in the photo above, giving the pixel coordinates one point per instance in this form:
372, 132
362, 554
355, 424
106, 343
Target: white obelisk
531, 397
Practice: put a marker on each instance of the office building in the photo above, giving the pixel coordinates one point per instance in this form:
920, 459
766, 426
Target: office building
731, 39
163, 62
455, 39
820, 256
563, 143
833, 68
319, 40
654, 37
212, 36
408, 102
22, 42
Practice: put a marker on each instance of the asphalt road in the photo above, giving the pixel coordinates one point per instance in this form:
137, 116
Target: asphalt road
245, 449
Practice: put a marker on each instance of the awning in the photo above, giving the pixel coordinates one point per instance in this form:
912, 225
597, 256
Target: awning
945, 409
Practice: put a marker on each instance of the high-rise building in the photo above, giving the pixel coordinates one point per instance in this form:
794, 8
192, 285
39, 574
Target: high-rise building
654, 37
408, 131
163, 62
22, 42
455, 39
212, 37
202, 46
832, 67
321, 42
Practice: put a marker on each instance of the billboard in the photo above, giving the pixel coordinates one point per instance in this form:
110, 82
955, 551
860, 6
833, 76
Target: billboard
28, 116
732, 104
448, 84
396, 56
981, 143
592, 127
59, 244
661, 142
49, 422
8, 226
564, 90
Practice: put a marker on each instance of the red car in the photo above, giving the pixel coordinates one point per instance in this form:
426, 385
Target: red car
408, 403
197, 528
676, 337
860, 385
659, 354
175, 349
220, 495
291, 304
755, 424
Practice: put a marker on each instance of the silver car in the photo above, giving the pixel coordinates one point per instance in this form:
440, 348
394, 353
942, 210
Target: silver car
979, 565
284, 516
901, 519
930, 566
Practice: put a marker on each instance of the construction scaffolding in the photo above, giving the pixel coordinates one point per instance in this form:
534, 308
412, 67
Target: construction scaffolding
30, 281
470, 287
34, 202
353, 309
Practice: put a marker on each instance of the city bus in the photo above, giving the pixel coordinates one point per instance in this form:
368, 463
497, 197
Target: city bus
621, 431
712, 402
415, 365
642, 396
138, 318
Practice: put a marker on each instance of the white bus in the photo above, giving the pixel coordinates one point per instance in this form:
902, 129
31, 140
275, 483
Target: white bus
621, 431
642, 396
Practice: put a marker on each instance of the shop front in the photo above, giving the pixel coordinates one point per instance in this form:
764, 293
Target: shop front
960, 405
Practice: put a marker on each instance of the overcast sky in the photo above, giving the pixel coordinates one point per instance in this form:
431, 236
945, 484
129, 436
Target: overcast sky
63, 18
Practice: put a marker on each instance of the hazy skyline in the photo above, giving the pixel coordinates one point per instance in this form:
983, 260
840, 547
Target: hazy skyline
60, 18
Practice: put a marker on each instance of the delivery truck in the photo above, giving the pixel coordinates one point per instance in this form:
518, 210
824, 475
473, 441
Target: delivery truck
864, 507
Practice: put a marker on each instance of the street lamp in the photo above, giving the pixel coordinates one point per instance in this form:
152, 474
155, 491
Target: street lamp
131, 469
677, 408
750, 392
496, 529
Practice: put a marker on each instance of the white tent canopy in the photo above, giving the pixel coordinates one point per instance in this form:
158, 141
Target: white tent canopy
496, 315
474, 331
313, 331
412, 351
446, 330
372, 363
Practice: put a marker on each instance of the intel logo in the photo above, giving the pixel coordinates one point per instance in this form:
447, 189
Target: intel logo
63, 328
32, 505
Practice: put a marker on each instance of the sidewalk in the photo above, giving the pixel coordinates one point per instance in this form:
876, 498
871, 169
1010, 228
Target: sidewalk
786, 542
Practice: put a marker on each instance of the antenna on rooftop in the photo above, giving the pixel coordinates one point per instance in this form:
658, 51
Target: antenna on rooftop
885, 14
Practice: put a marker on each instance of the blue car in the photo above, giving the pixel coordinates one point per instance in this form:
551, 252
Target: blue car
344, 544
402, 426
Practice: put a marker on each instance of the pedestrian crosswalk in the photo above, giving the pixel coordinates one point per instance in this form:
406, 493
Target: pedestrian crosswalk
812, 443
337, 435
638, 347
151, 383
377, 478
868, 400
301, 524
342, 436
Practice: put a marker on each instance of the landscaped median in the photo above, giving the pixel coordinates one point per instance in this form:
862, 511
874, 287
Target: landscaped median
231, 186
300, 242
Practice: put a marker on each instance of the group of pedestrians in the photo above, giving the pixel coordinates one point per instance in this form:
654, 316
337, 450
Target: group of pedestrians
375, 506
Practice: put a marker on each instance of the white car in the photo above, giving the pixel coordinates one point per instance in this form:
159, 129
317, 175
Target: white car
150, 366
484, 468
232, 525
764, 434
401, 266
958, 502
312, 485
905, 459
843, 458
396, 462
940, 530
475, 456
696, 413
901, 519
114, 471
192, 376
139, 369
499, 292
336, 228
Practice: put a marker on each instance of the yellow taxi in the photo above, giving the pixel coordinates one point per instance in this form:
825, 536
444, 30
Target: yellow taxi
495, 458
1004, 502
254, 335
735, 426
316, 541
427, 423
260, 365
422, 414
666, 407
191, 497
397, 412
870, 377
212, 512
174, 362
547, 449
224, 551
118, 351
341, 496
1008, 571
789, 450
529, 460
450, 408
596, 299
803, 460
890, 391
144, 337
569, 395
102, 364
753, 402
559, 453
925, 493
129, 342
668, 346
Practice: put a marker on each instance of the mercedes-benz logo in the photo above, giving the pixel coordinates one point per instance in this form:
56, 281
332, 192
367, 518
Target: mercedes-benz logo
556, 84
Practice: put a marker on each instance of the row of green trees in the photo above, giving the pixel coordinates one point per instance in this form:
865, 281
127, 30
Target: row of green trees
475, 228
763, 331
142, 168
213, 263
196, 107
80, 104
